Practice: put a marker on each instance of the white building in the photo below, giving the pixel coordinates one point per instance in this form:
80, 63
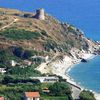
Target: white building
2, 70
47, 79
13, 63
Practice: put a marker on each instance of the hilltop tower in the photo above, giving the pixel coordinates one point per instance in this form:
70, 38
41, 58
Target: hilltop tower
40, 14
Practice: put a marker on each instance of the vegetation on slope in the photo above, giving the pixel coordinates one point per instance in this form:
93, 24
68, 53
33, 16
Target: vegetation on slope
87, 95
23, 72
19, 34
16, 91
18, 43
5, 57
59, 89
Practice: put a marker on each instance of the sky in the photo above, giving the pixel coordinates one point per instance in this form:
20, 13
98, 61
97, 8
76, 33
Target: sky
84, 14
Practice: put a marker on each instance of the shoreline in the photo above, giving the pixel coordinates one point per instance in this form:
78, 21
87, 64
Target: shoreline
74, 62
87, 57
72, 81
62, 67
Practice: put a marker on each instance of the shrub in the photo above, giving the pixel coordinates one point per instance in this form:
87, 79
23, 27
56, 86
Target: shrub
1, 23
43, 32
60, 88
50, 45
25, 72
7, 79
87, 95
13, 80
5, 57
20, 52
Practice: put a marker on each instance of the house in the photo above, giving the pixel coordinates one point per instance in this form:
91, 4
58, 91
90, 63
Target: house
46, 90
2, 70
32, 96
27, 62
2, 98
13, 63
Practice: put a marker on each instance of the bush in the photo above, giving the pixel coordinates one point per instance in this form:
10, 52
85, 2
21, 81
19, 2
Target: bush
27, 54
50, 45
87, 95
7, 79
1, 23
11, 80
43, 32
60, 88
20, 52
25, 72
5, 57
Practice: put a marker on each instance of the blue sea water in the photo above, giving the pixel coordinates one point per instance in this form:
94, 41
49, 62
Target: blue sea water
87, 75
84, 14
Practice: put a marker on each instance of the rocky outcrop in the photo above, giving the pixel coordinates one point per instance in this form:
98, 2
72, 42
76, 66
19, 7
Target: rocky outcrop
84, 60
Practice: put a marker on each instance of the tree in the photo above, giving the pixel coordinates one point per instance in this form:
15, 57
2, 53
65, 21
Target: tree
87, 95
7, 79
18, 51
60, 88
27, 54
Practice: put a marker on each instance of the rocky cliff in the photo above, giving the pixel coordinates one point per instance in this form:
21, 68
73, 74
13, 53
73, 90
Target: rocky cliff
20, 33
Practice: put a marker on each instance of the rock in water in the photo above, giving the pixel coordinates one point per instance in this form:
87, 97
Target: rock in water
84, 60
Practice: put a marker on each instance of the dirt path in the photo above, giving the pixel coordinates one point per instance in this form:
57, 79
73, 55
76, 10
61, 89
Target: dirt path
75, 92
15, 20
6, 26
43, 67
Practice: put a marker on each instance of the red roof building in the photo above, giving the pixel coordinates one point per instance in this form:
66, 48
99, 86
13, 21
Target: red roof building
32, 96
1, 98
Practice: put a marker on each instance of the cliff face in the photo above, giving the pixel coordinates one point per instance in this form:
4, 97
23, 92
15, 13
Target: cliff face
44, 37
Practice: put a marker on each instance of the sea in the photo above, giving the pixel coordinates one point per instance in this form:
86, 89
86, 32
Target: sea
87, 75
85, 15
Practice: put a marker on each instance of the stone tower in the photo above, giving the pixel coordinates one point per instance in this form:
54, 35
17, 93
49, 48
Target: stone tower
40, 14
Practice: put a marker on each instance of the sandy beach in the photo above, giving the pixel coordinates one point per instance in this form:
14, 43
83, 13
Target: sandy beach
76, 91
62, 68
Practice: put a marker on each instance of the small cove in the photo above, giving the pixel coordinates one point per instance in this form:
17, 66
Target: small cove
87, 75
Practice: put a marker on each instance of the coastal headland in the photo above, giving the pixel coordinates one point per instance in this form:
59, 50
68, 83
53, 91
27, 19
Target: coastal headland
44, 43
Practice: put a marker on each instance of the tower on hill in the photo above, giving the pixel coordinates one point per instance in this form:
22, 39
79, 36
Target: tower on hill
40, 14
